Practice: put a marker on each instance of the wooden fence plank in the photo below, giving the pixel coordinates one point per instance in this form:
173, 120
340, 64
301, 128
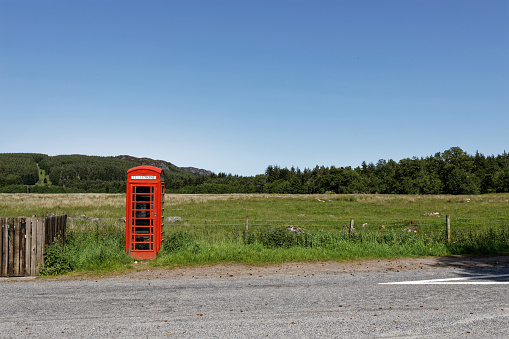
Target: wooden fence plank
40, 244
63, 224
47, 232
15, 259
28, 245
56, 225
65, 229
3, 249
52, 229
33, 255
22, 243
10, 268
50, 222
59, 228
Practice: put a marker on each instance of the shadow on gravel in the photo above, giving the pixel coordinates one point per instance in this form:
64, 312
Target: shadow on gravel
496, 268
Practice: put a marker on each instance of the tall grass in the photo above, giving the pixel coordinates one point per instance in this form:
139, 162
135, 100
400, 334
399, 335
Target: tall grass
278, 245
97, 245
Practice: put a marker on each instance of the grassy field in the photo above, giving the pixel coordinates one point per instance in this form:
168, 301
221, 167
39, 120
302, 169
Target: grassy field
328, 209
327, 212
212, 229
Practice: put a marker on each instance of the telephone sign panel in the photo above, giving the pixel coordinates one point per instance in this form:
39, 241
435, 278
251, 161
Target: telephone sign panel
144, 212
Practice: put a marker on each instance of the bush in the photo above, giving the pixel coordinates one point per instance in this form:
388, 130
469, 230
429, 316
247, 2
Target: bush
56, 260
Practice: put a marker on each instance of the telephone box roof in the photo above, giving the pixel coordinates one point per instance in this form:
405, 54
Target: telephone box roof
145, 168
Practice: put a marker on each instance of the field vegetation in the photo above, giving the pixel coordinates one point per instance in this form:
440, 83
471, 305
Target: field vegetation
208, 229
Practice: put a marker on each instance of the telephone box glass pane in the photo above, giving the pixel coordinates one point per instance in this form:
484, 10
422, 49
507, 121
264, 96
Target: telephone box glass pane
143, 198
142, 206
142, 246
143, 189
142, 238
142, 214
142, 230
142, 222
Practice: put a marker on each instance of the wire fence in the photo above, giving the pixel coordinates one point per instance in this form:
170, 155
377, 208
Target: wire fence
359, 222
218, 227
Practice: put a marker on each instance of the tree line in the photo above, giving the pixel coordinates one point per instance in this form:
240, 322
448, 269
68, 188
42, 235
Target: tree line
450, 172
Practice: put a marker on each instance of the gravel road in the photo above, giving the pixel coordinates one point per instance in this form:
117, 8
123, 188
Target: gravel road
317, 305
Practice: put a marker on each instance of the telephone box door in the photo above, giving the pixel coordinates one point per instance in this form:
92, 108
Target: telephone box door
143, 217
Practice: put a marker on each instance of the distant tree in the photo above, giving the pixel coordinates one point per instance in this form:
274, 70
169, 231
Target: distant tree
457, 182
460, 183
502, 181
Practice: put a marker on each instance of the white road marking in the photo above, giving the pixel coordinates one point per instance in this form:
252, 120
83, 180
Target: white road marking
471, 280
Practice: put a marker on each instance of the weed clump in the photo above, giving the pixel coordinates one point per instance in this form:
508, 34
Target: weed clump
180, 241
57, 260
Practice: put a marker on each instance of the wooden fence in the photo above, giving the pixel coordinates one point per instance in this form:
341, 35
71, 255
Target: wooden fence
22, 242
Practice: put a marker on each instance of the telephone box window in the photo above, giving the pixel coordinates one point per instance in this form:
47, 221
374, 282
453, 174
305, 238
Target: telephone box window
142, 246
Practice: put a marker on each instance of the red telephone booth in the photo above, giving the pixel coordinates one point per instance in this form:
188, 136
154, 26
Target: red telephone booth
144, 212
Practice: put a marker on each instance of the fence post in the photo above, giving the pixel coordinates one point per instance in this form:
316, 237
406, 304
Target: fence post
247, 226
351, 226
448, 228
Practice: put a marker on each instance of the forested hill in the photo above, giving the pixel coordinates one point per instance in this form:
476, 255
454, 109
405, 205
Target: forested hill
78, 173
450, 172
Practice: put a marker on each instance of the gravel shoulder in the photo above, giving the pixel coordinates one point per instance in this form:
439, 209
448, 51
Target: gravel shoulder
142, 270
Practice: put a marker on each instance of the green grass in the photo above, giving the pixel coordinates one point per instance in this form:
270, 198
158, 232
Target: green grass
96, 246
257, 253
277, 245
213, 227
213, 219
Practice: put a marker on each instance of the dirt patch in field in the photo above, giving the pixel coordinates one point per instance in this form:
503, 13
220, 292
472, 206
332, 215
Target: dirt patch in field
142, 270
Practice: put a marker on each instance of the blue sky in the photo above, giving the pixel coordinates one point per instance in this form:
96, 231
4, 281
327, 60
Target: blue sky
235, 86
